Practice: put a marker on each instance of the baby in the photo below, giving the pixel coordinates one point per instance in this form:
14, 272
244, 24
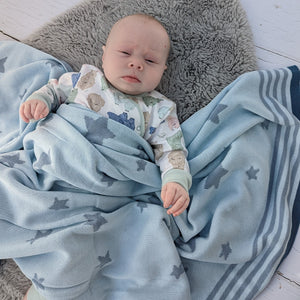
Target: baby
133, 62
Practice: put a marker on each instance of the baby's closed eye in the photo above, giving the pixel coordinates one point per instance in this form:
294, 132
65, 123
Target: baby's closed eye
125, 52
151, 61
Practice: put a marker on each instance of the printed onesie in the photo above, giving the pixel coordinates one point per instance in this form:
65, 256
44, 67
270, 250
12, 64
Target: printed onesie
151, 115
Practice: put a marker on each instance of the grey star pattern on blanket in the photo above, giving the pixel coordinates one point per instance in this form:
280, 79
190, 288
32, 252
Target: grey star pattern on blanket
38, 282
214, 178
59, 204
11, 160
265, 124
40, 234
141, 165
106, 179
43, 160
97, 130
177, 271
252, 173
2, 62
104, 260
22, 95
226, 250
142, 205
95, 220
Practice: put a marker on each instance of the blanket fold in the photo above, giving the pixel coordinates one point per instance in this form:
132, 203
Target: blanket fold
81, 212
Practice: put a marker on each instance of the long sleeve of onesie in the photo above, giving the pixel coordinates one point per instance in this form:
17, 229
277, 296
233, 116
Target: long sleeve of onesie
164, 133
55, 92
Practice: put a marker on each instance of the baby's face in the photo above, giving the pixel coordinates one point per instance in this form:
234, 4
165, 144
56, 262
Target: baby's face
135, 55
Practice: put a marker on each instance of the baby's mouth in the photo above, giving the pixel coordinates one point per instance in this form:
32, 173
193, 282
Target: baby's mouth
131, 78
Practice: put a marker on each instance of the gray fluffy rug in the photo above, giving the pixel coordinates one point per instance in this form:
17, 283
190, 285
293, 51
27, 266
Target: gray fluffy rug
211, 46
211, 43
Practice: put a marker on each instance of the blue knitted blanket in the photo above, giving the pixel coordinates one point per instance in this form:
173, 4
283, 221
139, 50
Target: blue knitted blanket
81, 212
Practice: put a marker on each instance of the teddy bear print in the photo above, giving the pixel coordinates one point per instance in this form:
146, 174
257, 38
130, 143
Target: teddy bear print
175, 140
163, 111
177, 159
151, 101
126, 101
173, 123
95, 102
88, 80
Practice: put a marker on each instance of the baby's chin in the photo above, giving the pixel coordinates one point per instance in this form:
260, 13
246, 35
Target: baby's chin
131, 92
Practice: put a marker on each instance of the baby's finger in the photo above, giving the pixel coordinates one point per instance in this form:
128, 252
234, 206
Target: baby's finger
41, 111
182, 209
163, 192
168, 197
180, 205
22, 114
33, 105
27, 112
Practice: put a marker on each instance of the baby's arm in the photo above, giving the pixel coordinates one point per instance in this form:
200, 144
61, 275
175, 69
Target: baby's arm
170, 155
47, 98
33, 109
175, 195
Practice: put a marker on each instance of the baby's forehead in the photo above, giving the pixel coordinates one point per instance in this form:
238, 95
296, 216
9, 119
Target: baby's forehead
137, 22
144, 21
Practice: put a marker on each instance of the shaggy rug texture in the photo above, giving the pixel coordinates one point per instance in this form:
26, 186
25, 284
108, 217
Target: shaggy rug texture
211, 46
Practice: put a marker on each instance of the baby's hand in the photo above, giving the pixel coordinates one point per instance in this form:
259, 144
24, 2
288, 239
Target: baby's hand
173, 194
33, 109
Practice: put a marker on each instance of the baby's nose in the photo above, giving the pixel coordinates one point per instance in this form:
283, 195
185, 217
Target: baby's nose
136, 64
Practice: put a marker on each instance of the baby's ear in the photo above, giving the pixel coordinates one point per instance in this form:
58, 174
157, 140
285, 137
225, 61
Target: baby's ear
103, 49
